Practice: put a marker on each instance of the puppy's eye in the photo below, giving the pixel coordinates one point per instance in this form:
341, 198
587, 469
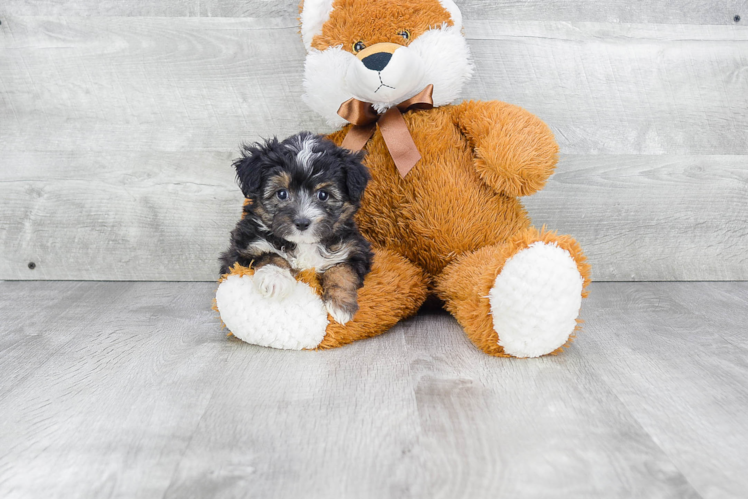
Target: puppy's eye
358, 46
405, 34
282, 194
322, 195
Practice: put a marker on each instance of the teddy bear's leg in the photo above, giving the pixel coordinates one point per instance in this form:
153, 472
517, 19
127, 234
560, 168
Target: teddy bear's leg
520, 298
393, 290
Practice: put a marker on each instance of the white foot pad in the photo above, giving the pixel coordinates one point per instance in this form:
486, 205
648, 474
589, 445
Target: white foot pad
535, 300
296, 321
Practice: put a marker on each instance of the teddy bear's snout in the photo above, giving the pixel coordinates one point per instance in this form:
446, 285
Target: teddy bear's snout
378, 61
378, 56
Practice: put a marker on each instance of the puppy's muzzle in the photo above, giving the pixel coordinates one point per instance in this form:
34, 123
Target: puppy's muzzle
378, 56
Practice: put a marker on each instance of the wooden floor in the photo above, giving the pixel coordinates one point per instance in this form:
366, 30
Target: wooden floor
132, 389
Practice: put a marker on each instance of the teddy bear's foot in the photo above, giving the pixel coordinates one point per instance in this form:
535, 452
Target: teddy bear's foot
296, 319
394, 289
519, 299
535, 300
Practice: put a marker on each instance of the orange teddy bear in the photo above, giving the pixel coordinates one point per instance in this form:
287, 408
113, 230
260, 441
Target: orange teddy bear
442, 208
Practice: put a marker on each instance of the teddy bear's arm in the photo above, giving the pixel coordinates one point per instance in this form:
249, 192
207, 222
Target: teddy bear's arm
515, 151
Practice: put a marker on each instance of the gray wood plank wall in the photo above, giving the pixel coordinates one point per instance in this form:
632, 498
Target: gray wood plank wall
614, 11
119, 120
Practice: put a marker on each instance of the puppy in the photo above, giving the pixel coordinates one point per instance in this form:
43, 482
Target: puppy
302, 194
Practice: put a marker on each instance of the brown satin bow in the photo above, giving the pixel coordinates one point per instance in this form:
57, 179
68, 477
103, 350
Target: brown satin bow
395, 131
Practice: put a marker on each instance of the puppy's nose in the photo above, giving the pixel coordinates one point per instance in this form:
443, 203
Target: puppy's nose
377, 62
302, 223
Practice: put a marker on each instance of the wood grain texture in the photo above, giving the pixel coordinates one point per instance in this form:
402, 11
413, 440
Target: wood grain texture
149, 83
121, 371
637, 11
547, 427
652, 218
62, 304
150, 8
132, 390
117, 134
620, 89
676, 356
166, 216
117, 215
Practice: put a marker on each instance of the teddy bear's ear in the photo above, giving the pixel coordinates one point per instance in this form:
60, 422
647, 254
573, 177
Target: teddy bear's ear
314, 14
454, 12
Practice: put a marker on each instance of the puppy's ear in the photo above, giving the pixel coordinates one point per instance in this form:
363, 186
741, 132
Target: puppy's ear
251, 168
356, 174
248, 176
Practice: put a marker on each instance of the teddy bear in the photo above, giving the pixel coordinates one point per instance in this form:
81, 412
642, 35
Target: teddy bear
442, 208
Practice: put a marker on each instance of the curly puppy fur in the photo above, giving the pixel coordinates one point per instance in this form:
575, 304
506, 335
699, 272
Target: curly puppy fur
302, 194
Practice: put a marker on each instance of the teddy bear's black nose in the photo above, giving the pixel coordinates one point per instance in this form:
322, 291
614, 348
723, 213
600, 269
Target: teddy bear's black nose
378, 61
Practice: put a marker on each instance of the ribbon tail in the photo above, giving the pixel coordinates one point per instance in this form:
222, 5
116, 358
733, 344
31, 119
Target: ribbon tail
399, 141
358, 136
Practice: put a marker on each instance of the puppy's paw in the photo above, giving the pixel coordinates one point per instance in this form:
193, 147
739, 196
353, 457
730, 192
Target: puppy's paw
274, 282
342, 313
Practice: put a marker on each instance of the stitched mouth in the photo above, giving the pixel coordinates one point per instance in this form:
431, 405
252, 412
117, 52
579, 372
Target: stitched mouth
381, 83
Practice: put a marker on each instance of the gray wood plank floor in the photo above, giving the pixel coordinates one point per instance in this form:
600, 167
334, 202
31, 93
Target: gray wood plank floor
132, 389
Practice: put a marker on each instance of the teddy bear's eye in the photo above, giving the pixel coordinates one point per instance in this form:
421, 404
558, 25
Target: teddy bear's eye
405, 34
358, 46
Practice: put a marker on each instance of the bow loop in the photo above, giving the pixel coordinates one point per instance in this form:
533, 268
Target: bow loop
395, 131
422, 100
357, 112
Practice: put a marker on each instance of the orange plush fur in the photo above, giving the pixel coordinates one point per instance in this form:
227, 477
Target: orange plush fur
371, 22
452, 223
425, 217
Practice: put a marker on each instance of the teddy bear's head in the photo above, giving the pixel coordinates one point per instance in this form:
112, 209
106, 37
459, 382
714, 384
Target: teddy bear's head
381, 51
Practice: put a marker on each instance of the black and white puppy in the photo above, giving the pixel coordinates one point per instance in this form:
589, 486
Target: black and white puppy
301, 196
